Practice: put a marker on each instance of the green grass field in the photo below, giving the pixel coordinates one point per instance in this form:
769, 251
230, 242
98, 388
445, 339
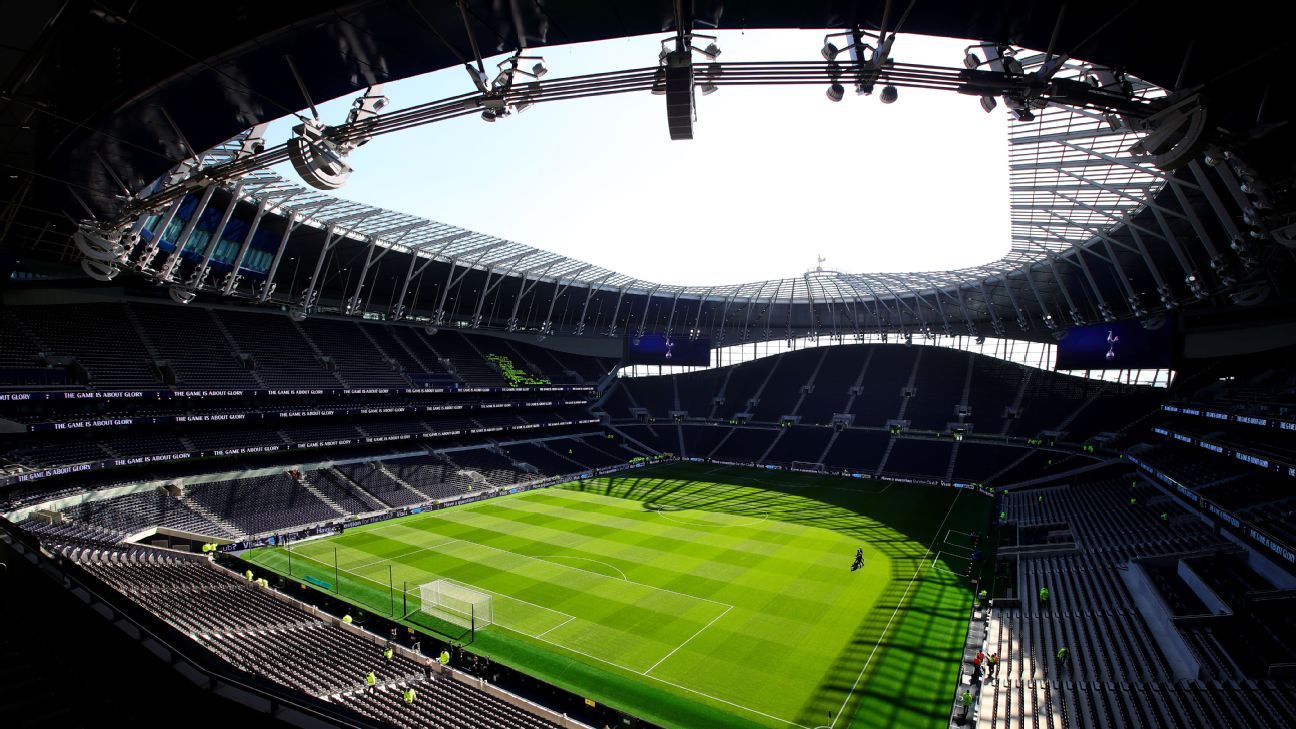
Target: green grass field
695, 595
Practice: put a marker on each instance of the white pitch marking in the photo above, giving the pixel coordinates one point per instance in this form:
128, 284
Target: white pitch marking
559, 625
686, 640
899, 604
592, 572
664, 681
547, 557
406, 554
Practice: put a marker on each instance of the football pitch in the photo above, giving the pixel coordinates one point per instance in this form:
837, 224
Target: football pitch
693, 595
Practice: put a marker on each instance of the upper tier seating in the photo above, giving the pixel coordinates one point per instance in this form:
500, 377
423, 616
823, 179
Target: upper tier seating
943, 380
199, 353
99, 336
284, 357
145, 346
358, 361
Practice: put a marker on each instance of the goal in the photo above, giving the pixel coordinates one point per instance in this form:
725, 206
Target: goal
807, 466
457, 603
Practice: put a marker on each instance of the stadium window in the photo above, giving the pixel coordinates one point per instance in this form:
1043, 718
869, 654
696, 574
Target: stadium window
1039, 355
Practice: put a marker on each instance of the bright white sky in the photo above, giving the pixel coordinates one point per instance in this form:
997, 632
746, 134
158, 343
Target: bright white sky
774, 176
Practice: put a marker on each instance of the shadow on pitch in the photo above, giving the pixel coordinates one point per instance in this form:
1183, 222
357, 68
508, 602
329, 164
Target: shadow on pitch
911, 639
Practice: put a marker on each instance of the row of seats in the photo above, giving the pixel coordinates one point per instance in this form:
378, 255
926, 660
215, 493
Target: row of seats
135, 345
257, 633
930, 387
43, 450
232, 509
1117, 674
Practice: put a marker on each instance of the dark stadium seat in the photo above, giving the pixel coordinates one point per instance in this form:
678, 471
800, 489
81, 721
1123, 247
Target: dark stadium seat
266, 636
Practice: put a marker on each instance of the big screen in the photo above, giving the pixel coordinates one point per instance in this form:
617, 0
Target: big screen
1118, 345
659, 349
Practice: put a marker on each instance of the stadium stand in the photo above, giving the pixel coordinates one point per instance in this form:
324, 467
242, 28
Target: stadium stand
154, 346
1120, 673
202, 350
266, 636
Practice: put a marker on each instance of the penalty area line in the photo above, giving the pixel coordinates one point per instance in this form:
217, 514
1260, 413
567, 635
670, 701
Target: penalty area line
399, 556
686, 640
681, 687
559, 625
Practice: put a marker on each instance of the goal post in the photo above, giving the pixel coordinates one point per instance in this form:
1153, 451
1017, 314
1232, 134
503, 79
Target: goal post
457, 603
815, 466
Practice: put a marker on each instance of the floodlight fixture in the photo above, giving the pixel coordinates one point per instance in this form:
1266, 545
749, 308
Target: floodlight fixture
511, 67
684, 41
318, 152
868, 60
659, 82
836, 92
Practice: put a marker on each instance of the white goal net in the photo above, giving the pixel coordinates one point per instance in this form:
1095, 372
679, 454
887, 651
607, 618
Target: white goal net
807, 466
457, 603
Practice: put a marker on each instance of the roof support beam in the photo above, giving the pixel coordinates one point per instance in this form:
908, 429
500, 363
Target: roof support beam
232, 278
290, 226
415, 268
168, 268
200, 272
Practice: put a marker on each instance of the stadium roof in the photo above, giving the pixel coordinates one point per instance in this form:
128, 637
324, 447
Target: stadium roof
1087, 245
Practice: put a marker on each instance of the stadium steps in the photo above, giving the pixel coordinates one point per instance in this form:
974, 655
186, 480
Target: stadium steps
627, 441
547, 445
234, 345
782, 432
1098, 391
881, 467
721, 393
1026, 453
909, 386
142, 332
358, 489
382, 468
769, 375
330, 503
576, 377
1017, 402
408, 351
396, 364
319, 354
814, 374
949, 471
635, 404
967, 381
722, 441
212, 516
858, 384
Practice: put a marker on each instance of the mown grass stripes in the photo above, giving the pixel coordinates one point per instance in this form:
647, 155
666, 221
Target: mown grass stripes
696, 595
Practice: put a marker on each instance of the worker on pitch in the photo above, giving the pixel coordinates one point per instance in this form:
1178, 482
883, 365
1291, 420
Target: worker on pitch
859, 559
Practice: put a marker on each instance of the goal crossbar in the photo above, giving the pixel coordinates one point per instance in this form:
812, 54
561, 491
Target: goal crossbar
457, 603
